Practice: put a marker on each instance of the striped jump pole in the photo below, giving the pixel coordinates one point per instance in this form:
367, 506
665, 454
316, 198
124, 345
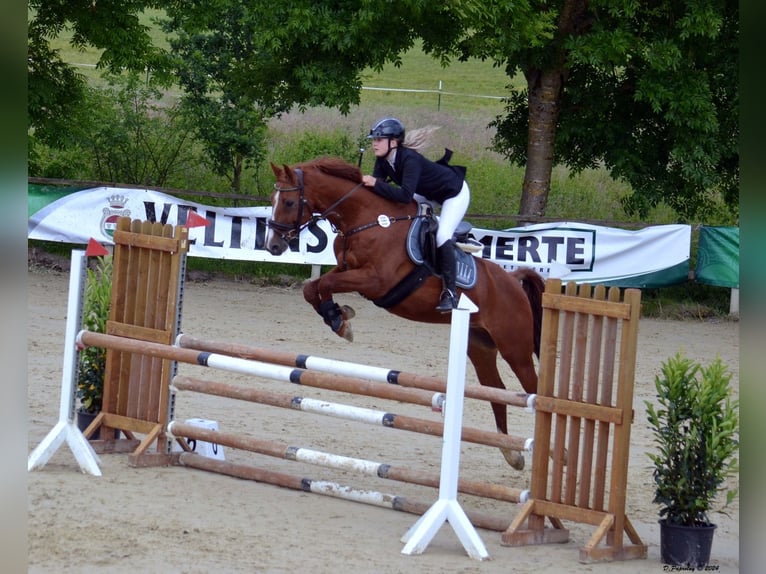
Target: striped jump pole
298, 376
294, 375
348, 412
379, 374
328, 488
338, 462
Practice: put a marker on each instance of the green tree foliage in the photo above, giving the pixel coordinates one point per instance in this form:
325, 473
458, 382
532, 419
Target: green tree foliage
649, 92
112, 26
55, 92
301, 53
131, 138
228, 115
120, 133
242, 64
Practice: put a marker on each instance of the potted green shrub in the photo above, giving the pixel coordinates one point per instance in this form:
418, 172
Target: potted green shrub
92, 360
696, 427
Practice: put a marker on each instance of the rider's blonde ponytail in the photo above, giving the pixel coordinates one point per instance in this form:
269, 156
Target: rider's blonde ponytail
419, 138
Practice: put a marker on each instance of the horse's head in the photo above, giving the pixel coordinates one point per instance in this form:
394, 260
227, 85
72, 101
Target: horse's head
290, 210
294, 203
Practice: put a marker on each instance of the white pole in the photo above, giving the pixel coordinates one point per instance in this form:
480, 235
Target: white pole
66, 429
734, 302
447, 507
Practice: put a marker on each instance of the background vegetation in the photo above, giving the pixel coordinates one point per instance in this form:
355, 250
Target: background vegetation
128, 117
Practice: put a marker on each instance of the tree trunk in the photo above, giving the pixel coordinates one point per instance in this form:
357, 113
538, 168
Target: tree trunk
236, 179
544, 89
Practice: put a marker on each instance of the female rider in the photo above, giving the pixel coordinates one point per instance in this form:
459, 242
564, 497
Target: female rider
402, 174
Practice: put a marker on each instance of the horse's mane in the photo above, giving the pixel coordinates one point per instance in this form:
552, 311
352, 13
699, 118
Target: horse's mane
337, 167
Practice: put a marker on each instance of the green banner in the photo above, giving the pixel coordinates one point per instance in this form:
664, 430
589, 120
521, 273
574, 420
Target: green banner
38, 196
718, 257
674, 275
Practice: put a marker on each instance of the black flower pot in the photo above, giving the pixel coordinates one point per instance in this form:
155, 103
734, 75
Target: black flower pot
685, 545
83, 421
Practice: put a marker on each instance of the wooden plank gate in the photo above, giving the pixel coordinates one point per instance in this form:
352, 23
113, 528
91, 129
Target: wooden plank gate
149, 265
579, 410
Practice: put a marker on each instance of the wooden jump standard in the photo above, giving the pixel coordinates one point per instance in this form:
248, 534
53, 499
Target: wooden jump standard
149, 263
579, 409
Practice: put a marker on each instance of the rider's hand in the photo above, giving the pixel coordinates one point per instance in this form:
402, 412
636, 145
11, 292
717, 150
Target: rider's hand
368, 180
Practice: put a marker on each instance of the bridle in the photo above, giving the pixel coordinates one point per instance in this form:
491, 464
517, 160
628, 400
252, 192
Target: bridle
286, 231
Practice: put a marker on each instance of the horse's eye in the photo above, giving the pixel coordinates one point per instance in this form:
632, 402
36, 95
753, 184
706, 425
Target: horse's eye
289, 203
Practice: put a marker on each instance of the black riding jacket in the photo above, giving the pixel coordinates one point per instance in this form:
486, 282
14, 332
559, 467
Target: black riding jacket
414, 173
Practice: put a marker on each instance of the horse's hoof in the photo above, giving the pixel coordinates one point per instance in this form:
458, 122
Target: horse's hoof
347, 312
346, 332
514, 458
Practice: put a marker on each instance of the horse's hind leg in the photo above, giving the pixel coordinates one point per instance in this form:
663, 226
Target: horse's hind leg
523, 366
519, 354
483, 355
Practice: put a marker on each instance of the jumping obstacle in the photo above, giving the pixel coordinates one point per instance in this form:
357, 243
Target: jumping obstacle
283, 400
583, 416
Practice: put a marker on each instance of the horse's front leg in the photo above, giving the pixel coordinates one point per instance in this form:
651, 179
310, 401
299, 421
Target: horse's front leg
334, 315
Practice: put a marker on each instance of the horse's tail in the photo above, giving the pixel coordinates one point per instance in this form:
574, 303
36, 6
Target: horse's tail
534, 286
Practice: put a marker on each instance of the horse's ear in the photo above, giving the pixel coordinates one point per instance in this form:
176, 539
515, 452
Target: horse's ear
276, 170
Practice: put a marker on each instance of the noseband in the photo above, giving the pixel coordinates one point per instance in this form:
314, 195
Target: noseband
288, 231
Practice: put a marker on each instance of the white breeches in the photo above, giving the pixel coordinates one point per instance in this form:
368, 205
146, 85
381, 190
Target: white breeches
451, 214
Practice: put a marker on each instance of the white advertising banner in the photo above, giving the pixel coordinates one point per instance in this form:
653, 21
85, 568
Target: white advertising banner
234, 232
592, 254
652, 256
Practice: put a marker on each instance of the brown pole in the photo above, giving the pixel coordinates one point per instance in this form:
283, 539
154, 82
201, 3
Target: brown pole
304, 484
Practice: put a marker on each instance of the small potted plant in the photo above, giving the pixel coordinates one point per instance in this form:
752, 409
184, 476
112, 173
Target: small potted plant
92, 360
695, 423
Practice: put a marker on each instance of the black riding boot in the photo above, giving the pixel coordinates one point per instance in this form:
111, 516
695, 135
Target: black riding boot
448, 267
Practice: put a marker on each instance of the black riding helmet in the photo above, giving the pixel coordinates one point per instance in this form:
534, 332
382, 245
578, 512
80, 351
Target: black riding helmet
389, 128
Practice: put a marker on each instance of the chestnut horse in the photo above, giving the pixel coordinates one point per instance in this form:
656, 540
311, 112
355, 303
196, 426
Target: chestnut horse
372, 259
